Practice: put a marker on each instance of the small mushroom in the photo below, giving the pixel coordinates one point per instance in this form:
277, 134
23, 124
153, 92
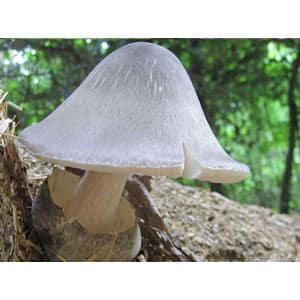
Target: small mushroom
136, 113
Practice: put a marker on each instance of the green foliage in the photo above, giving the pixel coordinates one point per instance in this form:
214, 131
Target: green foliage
242, 85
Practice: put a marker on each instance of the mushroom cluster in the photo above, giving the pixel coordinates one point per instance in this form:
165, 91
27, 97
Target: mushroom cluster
135, 113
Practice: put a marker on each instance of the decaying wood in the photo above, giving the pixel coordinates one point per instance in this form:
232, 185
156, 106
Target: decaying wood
158, 244
18, 241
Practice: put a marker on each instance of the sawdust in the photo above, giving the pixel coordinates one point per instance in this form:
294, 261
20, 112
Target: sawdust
214, 228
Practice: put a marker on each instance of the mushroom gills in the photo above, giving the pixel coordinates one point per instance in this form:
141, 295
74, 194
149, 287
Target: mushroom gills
94, 200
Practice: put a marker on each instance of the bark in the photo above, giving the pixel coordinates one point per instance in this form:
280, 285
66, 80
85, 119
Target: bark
157, 245
293, 113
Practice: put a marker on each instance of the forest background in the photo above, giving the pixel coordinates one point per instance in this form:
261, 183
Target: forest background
248, 88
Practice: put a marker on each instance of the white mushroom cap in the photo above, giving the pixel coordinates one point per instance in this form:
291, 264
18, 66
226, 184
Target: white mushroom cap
136, 112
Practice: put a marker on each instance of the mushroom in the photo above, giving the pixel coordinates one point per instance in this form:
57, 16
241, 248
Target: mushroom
135, 113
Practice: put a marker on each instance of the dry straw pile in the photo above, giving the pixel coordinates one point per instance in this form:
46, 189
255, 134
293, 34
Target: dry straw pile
17, 239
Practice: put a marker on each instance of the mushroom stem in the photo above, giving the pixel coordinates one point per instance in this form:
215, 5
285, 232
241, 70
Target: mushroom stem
95, 201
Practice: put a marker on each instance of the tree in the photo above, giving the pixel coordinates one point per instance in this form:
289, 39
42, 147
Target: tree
293, 127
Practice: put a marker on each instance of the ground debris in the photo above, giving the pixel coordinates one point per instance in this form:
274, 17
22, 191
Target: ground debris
214, 228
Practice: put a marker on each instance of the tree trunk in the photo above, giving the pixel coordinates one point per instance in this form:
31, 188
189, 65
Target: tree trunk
207, 109
287, 175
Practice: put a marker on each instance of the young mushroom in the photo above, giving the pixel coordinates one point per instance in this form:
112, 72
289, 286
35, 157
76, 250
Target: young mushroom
136, 113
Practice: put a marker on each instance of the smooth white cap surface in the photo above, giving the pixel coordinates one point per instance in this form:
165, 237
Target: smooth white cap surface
136, 112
